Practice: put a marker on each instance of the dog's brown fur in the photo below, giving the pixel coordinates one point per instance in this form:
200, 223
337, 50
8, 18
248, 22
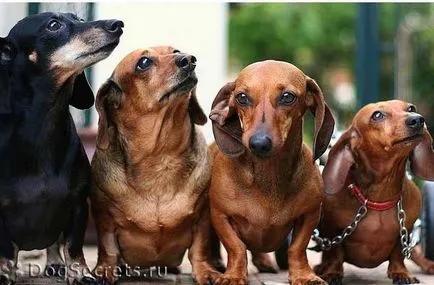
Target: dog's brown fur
255, 202
372, 155
151, 168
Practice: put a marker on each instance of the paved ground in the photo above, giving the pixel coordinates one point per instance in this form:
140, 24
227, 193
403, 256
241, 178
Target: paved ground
353, 275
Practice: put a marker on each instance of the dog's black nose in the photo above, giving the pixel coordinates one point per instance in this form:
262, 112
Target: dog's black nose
186, 62
415, 122
260, 144
114, 25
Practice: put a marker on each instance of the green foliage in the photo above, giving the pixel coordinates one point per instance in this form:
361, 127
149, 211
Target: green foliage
313, 36
319, 37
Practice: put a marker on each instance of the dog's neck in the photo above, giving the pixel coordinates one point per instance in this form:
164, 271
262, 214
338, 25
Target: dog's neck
44, 105
274, 174
166, 132
380, 179
157, 148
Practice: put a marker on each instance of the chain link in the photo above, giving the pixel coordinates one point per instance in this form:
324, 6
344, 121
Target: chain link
407, 242
327, 244
405, 237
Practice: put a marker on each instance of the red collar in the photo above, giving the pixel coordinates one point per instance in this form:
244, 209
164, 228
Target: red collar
376, 206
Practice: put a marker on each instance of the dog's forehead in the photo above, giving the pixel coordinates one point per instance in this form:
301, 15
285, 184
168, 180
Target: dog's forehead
272, 71
391, 107
161, 50
30, 25
128, 63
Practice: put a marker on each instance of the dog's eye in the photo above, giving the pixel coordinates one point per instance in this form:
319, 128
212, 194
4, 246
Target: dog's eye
411, 109
242, 99
378, 116
144, 63
287, 98
176, 51
54, 25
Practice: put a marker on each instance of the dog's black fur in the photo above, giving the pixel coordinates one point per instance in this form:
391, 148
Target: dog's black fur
44, 171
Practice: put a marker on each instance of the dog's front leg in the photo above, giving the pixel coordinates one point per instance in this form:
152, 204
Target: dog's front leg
78, 272
199, 252
397, 270
236, 272
108, 250
300, 272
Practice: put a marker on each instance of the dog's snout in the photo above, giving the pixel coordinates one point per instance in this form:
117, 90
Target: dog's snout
186, 62
114, 25
260, 144
415, 122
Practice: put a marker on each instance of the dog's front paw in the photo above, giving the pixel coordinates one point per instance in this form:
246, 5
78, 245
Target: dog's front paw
333, 279
403, 278
203, 273
228, 279
310, 279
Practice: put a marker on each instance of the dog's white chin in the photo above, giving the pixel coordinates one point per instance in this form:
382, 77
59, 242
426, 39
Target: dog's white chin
70, 56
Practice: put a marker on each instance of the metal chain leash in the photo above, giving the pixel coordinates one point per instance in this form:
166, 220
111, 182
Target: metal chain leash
327, 244
407, 242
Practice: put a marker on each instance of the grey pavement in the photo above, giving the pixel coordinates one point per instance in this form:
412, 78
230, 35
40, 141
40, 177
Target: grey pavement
353, 275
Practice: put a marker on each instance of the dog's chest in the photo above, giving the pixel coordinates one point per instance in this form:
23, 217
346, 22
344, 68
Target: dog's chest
262, 222
159, 228
157, 213
40, 208
374, 238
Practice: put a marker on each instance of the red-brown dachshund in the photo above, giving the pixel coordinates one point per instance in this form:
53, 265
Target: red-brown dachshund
368, 163
264, 182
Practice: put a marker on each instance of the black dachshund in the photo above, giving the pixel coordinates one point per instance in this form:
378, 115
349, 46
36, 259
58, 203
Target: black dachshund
44, 171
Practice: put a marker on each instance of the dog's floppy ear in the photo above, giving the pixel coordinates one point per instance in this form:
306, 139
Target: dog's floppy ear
422, 158
195, 111
82, 95
108, 98
7, 55
226, 124
324, 120
339, 162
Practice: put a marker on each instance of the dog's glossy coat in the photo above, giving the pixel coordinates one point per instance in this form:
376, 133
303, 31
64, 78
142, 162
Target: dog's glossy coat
257, 198
151, 167
373, 154
44, 171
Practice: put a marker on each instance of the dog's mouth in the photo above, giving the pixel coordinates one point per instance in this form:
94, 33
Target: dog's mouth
185, 85
102, 50
409, 139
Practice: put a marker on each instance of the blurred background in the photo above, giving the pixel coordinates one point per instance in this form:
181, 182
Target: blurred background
358, 52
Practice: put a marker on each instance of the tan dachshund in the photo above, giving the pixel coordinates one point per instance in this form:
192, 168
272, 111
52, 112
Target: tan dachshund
264, 182
151, 168
367, 165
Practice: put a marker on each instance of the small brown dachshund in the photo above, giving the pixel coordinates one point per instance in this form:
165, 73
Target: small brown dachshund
264, 182
367, 166
151, 168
